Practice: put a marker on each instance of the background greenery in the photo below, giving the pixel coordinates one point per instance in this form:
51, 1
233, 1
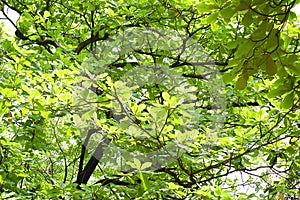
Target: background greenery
255, 46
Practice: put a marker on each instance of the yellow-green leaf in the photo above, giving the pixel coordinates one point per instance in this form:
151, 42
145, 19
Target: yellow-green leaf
173, 186
146, 165
47, 14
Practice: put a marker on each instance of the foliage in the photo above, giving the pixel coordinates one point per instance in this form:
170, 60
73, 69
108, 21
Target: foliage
255, 154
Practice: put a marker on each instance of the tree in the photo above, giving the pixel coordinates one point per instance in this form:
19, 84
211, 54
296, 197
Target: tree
53, 147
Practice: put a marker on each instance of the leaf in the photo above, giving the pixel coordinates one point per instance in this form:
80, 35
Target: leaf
166, 97
281, 71
288, 101
272, 42
241, 83
205, 7
218, 190
280, 90
173, 186
232, 44
228, 77
124, 123
146, 165
292, 16
247, 20
259, 34
47, 14
294, 69
245, 46
212, 18
137, 163
242, 6
227, 12
271, 67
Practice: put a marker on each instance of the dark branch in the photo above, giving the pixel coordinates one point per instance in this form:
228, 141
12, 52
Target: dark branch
85, 43
90, 167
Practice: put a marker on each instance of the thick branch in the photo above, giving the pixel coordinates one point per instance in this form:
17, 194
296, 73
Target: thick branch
85, 43
90, 167
83, 149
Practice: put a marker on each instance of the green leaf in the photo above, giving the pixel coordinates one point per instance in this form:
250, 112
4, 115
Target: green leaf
166, 96
218, 190
288, 101
212, 18
173, 186
47, 14
281, 71
137, 163
243, 6
247, 19
271, 67
228, 77
241, 83
272, 42
146, 165
294, 69
245, 46
228, 12
232, 44
292, 16
280, 90
205, 7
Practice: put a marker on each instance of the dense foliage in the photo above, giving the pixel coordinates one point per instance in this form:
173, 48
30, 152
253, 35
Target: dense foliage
239, 107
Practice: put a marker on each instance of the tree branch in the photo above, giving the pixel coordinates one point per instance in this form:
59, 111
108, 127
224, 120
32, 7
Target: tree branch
90, 167
94, 38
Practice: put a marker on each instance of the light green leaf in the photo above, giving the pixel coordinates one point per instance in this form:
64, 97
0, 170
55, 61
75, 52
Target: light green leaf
206, 7
218, 190
173, 186
47, 14
137, 163
146, 165
166, 96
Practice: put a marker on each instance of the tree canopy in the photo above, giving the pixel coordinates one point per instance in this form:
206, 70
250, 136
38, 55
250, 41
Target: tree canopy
150, 100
